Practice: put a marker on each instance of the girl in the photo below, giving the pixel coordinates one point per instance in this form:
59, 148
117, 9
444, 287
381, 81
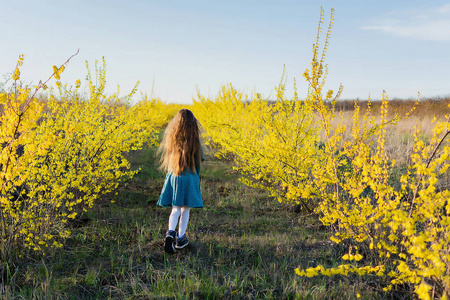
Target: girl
180, 156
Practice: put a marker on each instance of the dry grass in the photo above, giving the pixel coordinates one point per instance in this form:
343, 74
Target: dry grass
420, 117
400, 136
425, 107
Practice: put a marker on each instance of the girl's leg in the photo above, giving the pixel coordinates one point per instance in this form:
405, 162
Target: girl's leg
174, 215
170, 239
184, 219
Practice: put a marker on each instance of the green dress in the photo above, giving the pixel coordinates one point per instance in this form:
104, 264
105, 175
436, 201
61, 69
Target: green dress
183, 190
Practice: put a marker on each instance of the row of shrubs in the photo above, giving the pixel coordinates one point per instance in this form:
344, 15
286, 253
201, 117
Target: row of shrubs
396, 227
60, 151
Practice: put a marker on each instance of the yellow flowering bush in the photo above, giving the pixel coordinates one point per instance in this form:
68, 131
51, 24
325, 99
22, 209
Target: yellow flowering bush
58, 156
260, 138
291, 148
274, 145
403, 234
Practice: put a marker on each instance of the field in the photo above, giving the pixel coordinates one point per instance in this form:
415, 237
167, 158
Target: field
400, 137
244, 244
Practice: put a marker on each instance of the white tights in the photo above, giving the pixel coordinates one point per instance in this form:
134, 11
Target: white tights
181, 212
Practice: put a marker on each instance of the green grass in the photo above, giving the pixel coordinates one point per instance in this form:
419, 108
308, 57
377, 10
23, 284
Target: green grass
243, 245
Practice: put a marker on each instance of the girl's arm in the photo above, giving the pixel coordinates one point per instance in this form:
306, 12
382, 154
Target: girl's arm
197, 163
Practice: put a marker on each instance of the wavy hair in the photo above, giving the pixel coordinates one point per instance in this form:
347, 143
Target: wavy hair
180, 147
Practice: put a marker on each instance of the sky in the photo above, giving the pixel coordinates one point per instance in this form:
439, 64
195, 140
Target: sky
177, 48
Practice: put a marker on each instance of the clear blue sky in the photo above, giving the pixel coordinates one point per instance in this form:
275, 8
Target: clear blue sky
179, 46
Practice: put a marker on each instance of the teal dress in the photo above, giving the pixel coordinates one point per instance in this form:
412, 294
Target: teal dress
183, 190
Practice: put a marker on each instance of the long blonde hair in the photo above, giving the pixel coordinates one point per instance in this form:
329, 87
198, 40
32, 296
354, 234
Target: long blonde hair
180, 148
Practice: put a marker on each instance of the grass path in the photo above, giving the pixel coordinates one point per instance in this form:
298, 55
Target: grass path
243, 245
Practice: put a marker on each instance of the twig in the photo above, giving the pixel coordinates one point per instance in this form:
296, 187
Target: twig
43, 84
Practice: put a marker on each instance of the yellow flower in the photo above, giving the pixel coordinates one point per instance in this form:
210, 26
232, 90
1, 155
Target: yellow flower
16, 74
56, 72
422, 291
